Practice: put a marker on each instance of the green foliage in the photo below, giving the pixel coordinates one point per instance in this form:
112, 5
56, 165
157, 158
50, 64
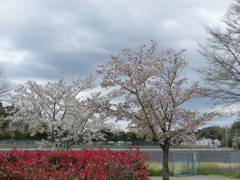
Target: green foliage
154, 172
18, 133
4, 111
213, 132
221, 169
155, 169
203, 168
121, 136
236, 143
21, 135
219, 173
109, 136
3, 114
234, 134
38, 136
217, 132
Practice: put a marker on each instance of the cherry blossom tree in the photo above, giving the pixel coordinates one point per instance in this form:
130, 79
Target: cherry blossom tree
59, 110
149, 91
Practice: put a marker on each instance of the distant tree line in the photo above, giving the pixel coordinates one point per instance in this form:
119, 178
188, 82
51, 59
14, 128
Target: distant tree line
25, 135
228, 136
20, 131
121, 136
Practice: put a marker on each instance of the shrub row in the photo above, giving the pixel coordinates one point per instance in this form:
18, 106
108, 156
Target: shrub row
85, 164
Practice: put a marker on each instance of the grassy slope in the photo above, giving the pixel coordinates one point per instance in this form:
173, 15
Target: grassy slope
203, 168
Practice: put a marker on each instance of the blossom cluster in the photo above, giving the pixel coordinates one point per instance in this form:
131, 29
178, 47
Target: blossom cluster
60, 110
80, 165
149, 89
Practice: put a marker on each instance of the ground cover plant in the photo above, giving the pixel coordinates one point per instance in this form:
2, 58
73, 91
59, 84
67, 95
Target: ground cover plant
78, 165
154, 169
203, 168
225, 169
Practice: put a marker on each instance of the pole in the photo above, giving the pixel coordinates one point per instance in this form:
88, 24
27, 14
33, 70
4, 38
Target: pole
236, 138
226, 137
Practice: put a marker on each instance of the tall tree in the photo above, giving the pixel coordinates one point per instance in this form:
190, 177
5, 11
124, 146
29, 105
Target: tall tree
234, 134
149, 91
4, 123
222, 53
59, 110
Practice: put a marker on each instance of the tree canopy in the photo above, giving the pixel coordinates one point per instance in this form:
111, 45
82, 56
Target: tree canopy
147, 88
212, 132
59, 110
222, 53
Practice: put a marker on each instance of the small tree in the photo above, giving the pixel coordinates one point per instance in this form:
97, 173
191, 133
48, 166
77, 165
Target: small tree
149, 92
236, 143
59, 110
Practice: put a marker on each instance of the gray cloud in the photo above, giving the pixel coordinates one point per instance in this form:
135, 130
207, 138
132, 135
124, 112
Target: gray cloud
46, 40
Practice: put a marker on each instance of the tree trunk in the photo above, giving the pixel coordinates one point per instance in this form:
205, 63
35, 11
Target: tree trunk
165, 168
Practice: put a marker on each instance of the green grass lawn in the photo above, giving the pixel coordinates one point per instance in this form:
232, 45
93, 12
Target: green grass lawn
231, 170
203, 168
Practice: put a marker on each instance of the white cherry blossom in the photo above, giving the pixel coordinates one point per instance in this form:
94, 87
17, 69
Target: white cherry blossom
59, 110
152, 92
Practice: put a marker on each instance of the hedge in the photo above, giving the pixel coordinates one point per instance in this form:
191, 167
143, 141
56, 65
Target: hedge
84, 164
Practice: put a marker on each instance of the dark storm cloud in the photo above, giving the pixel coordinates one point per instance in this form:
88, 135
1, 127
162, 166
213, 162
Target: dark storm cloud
68, 37
74, 36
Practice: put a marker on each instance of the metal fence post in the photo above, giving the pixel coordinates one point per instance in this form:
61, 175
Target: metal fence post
173, 163
194, 164
239, 163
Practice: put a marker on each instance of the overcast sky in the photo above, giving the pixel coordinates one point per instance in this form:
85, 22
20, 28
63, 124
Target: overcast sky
45, 40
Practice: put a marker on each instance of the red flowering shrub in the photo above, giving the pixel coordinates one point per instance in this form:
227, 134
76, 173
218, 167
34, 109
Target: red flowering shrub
85, 164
